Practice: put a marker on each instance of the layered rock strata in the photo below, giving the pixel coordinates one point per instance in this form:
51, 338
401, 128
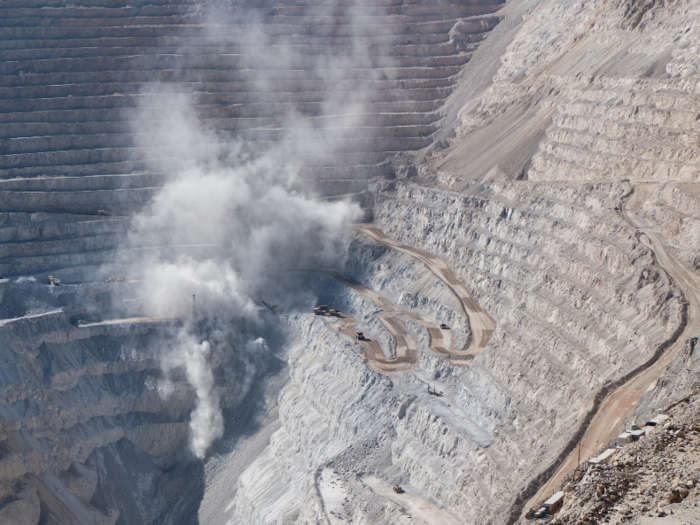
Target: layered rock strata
469, 451
71, 387
78, 158
589, 116
335, 89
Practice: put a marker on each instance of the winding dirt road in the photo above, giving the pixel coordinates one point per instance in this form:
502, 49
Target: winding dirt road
621, 401
372, 351
481, 325
406, 347
441, 340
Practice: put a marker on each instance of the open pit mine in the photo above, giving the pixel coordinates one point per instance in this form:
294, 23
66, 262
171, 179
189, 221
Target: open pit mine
382, 262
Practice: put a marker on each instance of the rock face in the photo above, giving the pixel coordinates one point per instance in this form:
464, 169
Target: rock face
83, 90
85, 87
495, 427
546, 151
71, 387
654, 477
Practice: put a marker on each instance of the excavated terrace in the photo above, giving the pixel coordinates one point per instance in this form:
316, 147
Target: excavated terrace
531, 170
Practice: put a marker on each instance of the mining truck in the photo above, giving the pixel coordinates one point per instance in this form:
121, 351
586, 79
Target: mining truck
321, 310
327, 311
360, 336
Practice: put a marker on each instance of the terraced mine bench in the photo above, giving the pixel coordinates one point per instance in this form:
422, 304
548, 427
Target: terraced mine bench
74, 169
75, 75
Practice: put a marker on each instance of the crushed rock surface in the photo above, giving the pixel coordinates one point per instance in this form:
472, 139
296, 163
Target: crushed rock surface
654, 480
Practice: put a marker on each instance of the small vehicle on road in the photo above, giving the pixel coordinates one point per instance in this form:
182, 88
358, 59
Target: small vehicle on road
444, 326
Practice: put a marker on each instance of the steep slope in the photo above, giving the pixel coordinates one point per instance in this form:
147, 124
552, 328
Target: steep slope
591, 96
93, 401
86, 88
551, 171
646, 481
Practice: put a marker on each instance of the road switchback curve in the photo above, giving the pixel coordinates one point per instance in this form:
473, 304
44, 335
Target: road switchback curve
481, 325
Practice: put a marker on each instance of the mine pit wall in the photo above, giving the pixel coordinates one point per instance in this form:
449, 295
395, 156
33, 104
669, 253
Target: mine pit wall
336, 408
333, 399
333, 405
569, 320
579, 302
679, 381
75, 79
515, 402
672, 208
69, 392
583, 310
86, 408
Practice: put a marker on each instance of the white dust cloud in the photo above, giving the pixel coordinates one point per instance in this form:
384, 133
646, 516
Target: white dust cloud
207, 420
224, 228
234, 217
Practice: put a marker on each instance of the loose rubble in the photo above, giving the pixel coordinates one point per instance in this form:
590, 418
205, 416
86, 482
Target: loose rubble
649, 478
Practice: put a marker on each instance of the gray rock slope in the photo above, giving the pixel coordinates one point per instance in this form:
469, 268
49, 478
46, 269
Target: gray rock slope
84, 89
577, 113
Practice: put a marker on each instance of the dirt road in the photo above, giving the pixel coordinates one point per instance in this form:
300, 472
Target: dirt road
620, 402
406, 347
441, 340
481, 325
372, 351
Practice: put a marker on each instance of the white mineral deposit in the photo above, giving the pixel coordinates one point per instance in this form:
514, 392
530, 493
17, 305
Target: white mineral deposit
382, 262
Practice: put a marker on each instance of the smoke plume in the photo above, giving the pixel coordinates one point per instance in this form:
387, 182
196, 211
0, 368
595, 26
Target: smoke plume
234, 215
216, 240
